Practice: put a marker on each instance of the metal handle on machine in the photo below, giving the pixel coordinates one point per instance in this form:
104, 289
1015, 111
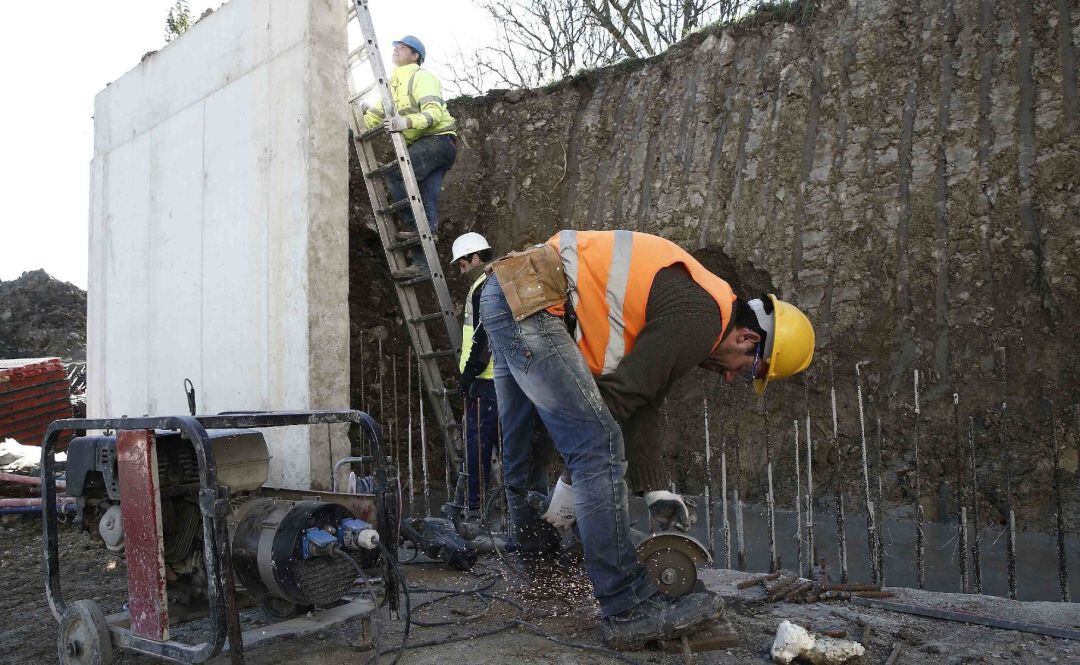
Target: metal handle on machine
189, 390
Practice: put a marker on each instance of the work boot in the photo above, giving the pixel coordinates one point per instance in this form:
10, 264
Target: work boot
660, 618
406, 235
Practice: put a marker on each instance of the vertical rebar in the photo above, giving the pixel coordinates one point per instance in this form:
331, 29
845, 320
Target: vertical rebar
382, 411
394, 426
1006, 447
740, 542
798, 504
811, 552
962, 533
961, 510
920, 535
710, 532
880, 505
976, 553
770, 502
408, 395
465, 452
363, 402
423, 437
871, 528
841, 534
1059, 517
726, 528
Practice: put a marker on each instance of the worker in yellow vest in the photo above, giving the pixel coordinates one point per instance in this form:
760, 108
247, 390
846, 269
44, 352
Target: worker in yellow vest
643, 312
471, 253
429, 130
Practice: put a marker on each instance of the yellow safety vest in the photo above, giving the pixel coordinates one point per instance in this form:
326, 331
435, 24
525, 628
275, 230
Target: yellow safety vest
467, 330
417, 96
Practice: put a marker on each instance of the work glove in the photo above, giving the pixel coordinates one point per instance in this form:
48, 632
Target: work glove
396, 123
668, 510
560, 512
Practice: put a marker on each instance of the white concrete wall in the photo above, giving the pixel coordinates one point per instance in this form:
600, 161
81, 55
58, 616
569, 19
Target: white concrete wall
218, 227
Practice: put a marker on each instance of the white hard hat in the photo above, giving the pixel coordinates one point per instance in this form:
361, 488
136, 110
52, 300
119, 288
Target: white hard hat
468, 243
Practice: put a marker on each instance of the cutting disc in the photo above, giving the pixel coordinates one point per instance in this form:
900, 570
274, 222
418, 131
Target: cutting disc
671, 560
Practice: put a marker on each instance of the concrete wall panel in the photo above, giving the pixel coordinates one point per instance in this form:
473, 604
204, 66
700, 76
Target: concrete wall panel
218, 226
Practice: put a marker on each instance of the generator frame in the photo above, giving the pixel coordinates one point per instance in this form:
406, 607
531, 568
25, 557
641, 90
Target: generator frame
213, 501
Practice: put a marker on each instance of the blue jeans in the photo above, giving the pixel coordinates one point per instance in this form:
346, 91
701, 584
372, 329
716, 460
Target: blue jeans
539, 370
481, 436
431, 157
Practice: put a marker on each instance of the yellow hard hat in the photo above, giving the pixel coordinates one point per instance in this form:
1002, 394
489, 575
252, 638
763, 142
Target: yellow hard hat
792, 343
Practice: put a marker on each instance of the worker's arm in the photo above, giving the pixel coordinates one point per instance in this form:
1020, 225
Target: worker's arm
427, 91
374, 114
480, 354
681, 325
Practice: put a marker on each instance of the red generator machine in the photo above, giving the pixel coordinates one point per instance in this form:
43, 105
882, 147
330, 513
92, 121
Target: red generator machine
185, 498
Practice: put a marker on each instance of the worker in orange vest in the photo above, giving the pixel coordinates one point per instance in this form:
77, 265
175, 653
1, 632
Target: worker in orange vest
590, 331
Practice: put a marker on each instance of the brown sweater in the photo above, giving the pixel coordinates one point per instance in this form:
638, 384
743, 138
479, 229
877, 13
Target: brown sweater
682, 321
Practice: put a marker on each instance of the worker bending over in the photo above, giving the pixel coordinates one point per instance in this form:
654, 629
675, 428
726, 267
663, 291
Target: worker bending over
471, 254
429, 130
643, 313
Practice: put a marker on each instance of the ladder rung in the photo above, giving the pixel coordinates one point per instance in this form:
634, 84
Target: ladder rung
425, 318
403, 244
372, 133
384, 169
362, 93
358, 55
416, 280
394, 207
437, 354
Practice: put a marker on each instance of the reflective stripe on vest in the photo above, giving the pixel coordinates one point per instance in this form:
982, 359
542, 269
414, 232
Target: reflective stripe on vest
467, 330
610, 275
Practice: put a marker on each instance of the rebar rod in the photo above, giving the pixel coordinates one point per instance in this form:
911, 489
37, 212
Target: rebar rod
382, 411
726, 525
798, 503
769, 497
363, 402
879, 504
810, 545
961, 509
1059, 517
710, 531
1006, 448
920, 534
408, 393
423, 438
465, 450
871, 528
739, 539
976, 553
394, 425
841, 534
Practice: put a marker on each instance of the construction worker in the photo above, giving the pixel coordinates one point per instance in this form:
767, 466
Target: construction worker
644, 312
429, 130
471, 254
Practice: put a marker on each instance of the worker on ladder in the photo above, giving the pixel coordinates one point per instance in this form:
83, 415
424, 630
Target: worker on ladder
471, 253
430, 132
643, 312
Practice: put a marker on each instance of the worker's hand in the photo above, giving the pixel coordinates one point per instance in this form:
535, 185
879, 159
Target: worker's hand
668, 510
465, 388
396, 123
560, 512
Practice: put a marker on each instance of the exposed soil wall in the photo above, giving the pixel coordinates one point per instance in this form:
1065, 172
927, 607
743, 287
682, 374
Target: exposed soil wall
906, 172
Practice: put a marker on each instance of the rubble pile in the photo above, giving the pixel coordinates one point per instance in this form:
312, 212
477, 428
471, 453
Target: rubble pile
40, 316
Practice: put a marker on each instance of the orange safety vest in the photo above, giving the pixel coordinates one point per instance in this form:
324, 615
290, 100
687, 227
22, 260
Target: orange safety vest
610, 275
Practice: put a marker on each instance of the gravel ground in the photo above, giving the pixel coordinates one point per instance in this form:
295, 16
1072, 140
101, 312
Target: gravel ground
556, 603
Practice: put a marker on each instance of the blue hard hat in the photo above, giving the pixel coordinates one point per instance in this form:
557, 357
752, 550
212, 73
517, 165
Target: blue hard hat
415, 44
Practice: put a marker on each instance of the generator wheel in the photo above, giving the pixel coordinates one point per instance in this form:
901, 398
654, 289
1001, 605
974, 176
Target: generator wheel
276, 609
84, 635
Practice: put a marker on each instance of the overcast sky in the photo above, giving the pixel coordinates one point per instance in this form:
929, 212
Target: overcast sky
54, 57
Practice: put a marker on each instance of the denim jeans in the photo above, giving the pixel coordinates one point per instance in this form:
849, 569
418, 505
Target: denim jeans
431, 157
539, 370
481, 436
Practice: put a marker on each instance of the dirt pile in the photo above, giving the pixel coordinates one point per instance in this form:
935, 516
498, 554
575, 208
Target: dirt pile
42, 316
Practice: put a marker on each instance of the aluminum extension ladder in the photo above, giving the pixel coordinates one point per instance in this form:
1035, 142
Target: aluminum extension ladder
416, 321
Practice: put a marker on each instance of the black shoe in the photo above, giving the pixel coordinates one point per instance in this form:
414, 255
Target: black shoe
660, 618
